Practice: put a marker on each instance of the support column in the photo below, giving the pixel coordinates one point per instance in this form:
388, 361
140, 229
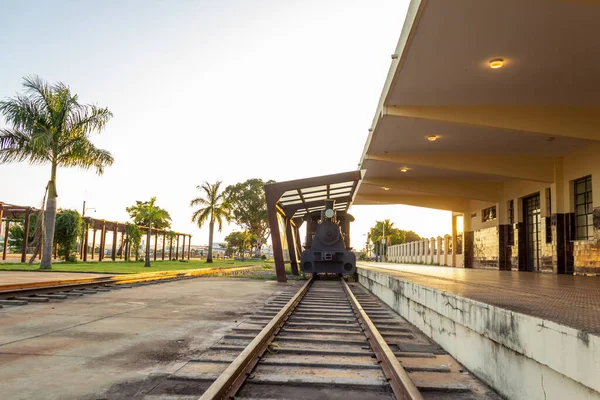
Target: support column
85, 241
155, 243
122, 249
561, 218
177, 248
5, 239
298, 241
163, 245
276, 241
439, 250
102, 241
434, 250
446, 249
113, 255
294, 261
189, 246
183, 247
94, 242
454, 240
25, 235
468, 241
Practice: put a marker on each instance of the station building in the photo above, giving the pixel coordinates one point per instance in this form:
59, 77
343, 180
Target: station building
491, 109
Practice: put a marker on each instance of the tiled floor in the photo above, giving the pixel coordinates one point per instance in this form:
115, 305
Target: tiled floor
566, 299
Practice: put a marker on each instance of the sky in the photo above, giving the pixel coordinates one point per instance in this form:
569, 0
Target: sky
208, 90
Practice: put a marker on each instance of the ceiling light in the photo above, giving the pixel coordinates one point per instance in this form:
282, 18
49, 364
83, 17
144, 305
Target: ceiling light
432, 138
403, 169
496, 63
385, 188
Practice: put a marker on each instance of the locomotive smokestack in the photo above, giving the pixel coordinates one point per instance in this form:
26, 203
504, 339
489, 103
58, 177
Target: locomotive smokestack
329, 205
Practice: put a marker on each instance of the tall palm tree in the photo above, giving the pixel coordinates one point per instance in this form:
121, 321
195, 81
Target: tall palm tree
49, 126
214, 207
150, 215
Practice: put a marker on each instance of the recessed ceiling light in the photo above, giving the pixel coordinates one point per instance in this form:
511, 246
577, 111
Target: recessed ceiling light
385, 188
496, 63
403, 169
432, 138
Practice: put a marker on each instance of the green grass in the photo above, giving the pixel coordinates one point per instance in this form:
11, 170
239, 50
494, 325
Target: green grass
267, 272
120, 267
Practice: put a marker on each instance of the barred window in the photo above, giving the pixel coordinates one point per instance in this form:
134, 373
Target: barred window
584, 216
548, 220
511, 221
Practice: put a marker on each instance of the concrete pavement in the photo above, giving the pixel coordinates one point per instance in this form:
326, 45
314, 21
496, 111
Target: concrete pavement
116, 344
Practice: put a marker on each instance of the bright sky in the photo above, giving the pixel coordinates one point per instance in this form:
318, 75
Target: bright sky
208, 90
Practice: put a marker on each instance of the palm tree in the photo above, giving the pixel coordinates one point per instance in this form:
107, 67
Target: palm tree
49, 126
214, 207
150, 215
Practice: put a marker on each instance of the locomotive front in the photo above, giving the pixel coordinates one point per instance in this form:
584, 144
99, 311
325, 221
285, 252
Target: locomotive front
327, 247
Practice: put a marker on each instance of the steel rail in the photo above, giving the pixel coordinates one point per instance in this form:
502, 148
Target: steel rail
229, 382
402, 385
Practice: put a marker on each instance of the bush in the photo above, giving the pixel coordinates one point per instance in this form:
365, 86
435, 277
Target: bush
263, 257
66, 232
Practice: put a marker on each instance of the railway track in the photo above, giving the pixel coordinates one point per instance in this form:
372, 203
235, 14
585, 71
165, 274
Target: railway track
43, 292
330, 340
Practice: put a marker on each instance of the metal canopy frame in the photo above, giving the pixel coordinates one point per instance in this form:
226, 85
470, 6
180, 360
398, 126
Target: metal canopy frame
291, 201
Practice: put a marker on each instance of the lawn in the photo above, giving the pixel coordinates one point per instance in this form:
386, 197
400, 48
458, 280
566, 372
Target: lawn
120, 267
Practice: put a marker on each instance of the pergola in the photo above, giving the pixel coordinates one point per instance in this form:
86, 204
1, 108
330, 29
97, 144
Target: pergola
11, 211
290, 202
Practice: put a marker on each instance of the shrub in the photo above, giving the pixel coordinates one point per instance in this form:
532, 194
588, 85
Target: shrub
66, 232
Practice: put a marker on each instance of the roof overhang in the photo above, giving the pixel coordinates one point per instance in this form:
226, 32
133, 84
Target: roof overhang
490, 125
299, 197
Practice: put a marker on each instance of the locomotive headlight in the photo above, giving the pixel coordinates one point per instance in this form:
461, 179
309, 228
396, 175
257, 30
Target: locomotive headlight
329, 213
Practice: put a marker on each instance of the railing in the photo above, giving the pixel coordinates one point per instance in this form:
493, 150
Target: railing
434, 251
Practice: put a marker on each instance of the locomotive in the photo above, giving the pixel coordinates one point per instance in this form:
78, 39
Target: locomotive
327, 248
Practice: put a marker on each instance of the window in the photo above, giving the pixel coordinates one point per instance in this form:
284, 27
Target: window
547, 219
511, 220
548, 202
584, 216
488, 214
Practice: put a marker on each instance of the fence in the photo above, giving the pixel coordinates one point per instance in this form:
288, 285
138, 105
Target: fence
434, 251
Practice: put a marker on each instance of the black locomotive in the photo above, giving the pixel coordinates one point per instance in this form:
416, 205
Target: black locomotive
327, 248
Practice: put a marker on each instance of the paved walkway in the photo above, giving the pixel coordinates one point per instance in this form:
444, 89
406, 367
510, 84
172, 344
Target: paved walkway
14, 277
565, 299
120, 344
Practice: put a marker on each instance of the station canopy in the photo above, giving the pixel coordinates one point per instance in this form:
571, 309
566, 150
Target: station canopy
480, 93
303, 196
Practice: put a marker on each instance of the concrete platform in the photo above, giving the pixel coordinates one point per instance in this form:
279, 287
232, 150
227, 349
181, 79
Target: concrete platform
116, 344
527, 335
17, 277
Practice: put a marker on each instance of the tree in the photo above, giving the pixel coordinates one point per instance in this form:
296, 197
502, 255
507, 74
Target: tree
214, 207
68, 230
139, 216
171, 237
15, 233
411, 236
148, 214
239, 241
49, 126
385, 230
134, 238
249, 209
